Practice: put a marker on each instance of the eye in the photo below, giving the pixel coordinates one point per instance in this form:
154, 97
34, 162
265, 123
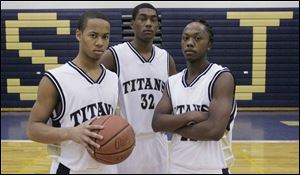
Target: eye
142, 18
154, 19
198, 38
184, 38
93, 35
105, 37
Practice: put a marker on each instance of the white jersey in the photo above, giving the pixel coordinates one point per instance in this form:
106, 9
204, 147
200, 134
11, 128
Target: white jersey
81, 99
191, 154
141, 83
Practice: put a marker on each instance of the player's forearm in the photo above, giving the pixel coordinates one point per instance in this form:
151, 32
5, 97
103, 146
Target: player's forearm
43, 133
201, 131
168, 122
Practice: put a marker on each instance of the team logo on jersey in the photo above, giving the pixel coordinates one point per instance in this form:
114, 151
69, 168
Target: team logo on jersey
187, 108
143, 84
90, 111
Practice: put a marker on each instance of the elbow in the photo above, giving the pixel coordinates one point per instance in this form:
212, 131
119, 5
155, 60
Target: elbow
29, 133
216, 135
154, 126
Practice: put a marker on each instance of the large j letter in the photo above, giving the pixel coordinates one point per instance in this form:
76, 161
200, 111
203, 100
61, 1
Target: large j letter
259, 21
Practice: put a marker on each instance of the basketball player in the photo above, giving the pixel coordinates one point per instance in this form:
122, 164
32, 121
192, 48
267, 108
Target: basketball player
71, 95
143, 70
198, 106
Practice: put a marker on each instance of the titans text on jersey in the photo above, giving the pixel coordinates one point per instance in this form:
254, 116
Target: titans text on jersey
187, 108
90, 111
143, 84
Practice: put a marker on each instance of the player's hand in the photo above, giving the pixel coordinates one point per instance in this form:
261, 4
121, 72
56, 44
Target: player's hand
83, 134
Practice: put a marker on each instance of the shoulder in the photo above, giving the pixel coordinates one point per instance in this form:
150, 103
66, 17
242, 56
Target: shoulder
176, 77
160, 50
59, 70
119, 46
223, 76
110, 73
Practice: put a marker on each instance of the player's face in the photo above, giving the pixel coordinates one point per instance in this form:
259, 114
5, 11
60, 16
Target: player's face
145, 24
195, 41
94, 39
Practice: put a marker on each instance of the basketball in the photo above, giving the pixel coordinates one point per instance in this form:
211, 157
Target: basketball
118, 140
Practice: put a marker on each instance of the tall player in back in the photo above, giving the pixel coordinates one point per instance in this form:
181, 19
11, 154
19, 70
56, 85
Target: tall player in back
71, 96
143, 70
198, 106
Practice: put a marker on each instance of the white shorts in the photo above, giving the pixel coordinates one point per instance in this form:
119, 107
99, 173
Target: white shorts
173, 169
107, 169
150, 156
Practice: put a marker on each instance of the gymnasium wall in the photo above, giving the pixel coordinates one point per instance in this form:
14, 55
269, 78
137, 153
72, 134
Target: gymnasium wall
259, 45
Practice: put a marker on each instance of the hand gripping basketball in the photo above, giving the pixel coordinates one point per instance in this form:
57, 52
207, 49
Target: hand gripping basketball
118, 140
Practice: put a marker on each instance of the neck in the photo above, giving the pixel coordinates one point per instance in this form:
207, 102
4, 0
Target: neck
142, 46
86, 63
196, 68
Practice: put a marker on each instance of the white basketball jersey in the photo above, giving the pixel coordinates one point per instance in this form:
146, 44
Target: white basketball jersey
196, 96
141, 83
81, 99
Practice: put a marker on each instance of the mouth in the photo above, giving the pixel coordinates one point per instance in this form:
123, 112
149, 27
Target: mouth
148, 31
98, 51
189, 52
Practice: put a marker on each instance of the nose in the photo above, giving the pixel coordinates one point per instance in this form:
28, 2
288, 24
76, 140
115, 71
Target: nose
148, 23
99, 42
190, 43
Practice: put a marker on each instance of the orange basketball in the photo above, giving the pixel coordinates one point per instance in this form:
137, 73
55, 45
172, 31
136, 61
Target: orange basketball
118, 140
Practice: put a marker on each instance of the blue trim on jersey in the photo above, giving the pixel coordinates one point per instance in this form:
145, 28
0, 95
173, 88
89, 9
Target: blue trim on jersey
168, 89
103, 73
169, 92
232, 114
184, 77
116, 58
80, 71
212, 82
61, 94
140, 56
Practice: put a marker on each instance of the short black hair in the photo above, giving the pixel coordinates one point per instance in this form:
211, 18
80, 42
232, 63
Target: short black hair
207, 26
90, 15
136, 9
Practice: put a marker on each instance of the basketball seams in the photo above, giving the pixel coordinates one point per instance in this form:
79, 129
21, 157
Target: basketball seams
111, 162
95, 139
117, 128
105, 161
117, 152
112, 137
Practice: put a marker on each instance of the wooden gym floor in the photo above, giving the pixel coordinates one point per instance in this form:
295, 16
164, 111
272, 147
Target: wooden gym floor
264, 143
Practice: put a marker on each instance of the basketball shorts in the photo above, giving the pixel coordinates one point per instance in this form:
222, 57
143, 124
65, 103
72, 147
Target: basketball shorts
150, 155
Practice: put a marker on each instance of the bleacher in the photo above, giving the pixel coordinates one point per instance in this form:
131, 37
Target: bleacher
260, 47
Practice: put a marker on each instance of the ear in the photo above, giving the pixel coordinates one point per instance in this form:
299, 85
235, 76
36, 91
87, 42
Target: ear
78, 35
131, 24
209, 45
158, 26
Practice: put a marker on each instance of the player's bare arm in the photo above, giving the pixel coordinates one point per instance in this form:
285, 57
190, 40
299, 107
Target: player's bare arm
172, 66
219, 112
163, 120
107, 59
38, 130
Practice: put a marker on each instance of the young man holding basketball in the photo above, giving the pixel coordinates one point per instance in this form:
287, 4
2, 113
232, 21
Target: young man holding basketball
198, 106
71, 95
143, 70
